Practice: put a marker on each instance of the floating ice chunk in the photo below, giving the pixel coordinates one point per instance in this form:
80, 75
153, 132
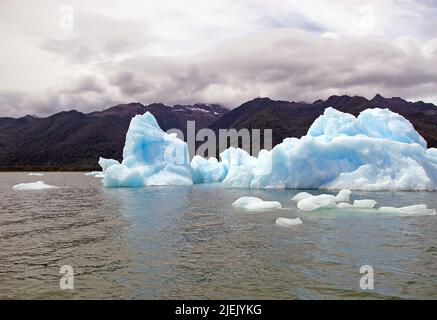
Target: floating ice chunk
264, 205
344, 205
343, 196
254, 203
414, 210
243, 201
39, 185
35, 174
301, 195
317, 202
365, 204
96, 174
284, 222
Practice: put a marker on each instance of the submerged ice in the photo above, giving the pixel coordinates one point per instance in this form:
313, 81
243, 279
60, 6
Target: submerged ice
378, 150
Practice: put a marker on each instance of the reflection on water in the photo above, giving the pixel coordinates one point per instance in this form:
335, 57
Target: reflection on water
188, 242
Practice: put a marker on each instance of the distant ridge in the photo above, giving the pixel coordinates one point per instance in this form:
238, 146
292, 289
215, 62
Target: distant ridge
292, 119
71, 140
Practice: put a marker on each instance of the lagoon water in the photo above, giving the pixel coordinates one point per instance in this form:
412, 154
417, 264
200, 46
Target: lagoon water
189, 242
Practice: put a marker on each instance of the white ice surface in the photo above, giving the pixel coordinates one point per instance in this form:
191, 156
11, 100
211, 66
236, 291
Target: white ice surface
365, 203
285, 222
323, 201
343, 196
39, 185
344, 205
414, 210
254, 203
96, 174
300, 196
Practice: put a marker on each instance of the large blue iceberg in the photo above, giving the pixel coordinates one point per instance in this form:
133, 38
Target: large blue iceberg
378, 150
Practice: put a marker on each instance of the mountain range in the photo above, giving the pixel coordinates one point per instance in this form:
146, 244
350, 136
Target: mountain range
72, 140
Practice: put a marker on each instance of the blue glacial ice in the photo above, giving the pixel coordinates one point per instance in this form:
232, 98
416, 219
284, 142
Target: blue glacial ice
150, 157
378, 150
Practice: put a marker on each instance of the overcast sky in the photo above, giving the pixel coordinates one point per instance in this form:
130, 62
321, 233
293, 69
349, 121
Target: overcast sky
212, 51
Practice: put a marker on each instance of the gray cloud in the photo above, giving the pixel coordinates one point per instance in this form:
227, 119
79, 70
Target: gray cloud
128, 83
220, 52
84, 84
284, 64
96, 37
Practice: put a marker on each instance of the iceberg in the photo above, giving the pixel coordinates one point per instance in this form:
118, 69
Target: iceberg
96, 174
285, 222
364, 204
300, 196
150, 157
323, 201
378, 150
254, 203
39, 185
343, 205
343, 196
414, 210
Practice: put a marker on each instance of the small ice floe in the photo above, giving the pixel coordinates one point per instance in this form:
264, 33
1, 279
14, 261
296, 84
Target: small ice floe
414, 210
343, 196
344, 205
35, 174
285, 222
254, 203
365, 204
96, 174
301, 196
317, 202
39, 185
